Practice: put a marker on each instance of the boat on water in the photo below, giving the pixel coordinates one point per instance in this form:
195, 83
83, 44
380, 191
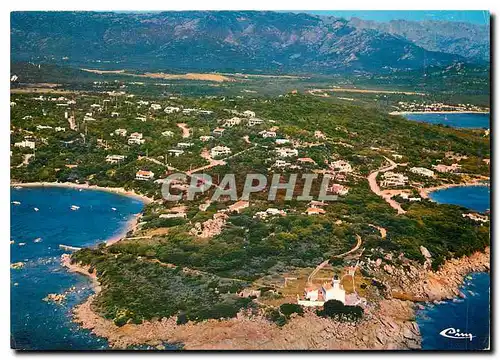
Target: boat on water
18, 187
114, 209
16, 202
74, 207
37, 240
36, 209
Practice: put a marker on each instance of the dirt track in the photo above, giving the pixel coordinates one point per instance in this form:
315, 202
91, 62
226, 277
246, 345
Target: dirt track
372, 181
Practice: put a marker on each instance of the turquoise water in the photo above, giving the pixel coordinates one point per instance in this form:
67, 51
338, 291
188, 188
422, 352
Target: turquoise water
40, 325
458, 120
471, 314
476, 198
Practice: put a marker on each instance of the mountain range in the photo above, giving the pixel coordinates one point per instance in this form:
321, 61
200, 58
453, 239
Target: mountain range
244, 41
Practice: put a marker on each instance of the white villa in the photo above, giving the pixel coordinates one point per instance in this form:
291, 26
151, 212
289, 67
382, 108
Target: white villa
422, 171
341, 166
43, 127
176, 152
218, 131
393, 179
25, 144
282, 141
287, 152
220, 151
177, 215
184, 145
268, 134
255, 121
121, 132
249, 113
144, 175
171, 109
155, 106
269, 212
114, 159
281, 163
136, 138
167, 133
206, 137
232, 122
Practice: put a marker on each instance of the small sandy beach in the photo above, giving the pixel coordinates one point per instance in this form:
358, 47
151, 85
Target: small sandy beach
424, 192
121, 191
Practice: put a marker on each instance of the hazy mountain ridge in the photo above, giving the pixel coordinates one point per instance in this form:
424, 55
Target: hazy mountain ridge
232, 40
471, 41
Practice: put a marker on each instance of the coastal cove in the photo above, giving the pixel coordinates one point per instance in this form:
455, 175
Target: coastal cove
42, 219
453, 119
467, 312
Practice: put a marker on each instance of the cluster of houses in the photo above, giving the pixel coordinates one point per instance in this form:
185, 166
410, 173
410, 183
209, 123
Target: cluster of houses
438, 106
476, 217
393, 179
47, 127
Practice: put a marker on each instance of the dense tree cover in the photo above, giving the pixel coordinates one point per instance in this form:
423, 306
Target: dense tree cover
134, 290
338, 311
136, 287
250, 248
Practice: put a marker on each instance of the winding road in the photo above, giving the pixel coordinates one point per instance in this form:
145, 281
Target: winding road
372, 181
324, 263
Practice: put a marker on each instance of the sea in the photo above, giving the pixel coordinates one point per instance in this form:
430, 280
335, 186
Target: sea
40, 325
456, 120
476, 198
35, 239
466, 315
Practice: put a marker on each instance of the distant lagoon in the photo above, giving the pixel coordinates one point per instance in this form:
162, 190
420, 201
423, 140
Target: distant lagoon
456, 120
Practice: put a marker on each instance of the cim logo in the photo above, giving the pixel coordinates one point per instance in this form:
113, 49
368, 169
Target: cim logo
452, 333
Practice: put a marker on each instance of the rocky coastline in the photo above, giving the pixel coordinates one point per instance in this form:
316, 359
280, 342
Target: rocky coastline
387, 324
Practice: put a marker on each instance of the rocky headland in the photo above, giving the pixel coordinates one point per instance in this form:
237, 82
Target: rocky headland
387, 324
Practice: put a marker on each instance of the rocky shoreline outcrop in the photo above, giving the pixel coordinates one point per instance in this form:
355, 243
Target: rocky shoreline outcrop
388, 324
389, 328
417, 282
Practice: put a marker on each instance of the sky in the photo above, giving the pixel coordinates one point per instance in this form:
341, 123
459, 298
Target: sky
471, 16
